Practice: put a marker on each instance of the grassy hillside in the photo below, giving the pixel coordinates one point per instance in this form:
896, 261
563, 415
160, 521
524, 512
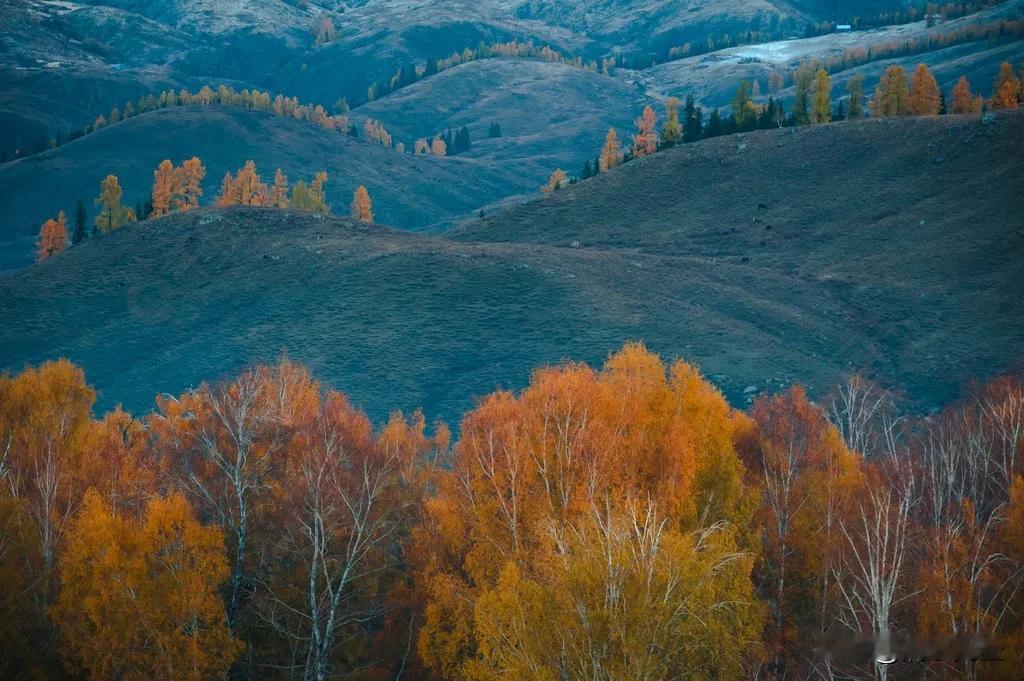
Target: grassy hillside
413, 192
550, 114
875, 268
713, 78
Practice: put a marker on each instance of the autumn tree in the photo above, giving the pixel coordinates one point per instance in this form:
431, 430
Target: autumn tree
316, 191
809, 482
53, 237
362, 207
112, 214
1006, 91
611, 152
139, 597
349, 494
855, 88
575, 521
924, 92
672, 131
821, 103
438, 147
891, 95
803, 77
963, 101
555, 182
645, 141
189, 182
744, 111
165, 188
279, 190
250, 189
228, 191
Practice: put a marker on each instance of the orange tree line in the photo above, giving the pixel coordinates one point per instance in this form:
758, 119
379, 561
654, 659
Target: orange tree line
622, 522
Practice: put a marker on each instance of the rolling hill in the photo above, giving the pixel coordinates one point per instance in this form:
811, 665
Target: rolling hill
551, 115
768, 258
58, 57
416, 192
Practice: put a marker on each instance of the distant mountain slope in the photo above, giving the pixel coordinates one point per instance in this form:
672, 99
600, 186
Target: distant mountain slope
550, 114
410, 191
713, 78
781, 256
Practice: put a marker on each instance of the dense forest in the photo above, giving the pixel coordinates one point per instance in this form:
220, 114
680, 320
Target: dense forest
616, 523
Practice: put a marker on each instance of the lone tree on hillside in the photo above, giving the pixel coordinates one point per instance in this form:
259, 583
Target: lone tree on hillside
362, 207
555, 182
924, 93
611, 152
821, 102
53, 237
963, 101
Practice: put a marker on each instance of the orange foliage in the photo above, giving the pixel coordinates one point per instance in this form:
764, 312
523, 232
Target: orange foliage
53, 238
139, 597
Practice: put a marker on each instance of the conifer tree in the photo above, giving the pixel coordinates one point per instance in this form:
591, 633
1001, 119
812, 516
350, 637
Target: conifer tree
189, 184
963, 101
693, 121
279, 190
164, 188
228, 191
821, 104
611, 152
439, 147
855, 86
645, 141
1006, 91
79, 234
53, 237
555, 182
112, 214
714, 127
362, 207
316, 190
892, 98
251, 190
924, 92
301, 198
587, 172
672, 131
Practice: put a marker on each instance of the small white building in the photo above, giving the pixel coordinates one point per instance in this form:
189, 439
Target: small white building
843, 28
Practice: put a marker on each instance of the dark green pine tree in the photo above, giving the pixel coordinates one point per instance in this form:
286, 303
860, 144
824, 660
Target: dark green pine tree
692, 121
431, 68
79, 234
586, 172
942, 103
714, 127
494, 130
